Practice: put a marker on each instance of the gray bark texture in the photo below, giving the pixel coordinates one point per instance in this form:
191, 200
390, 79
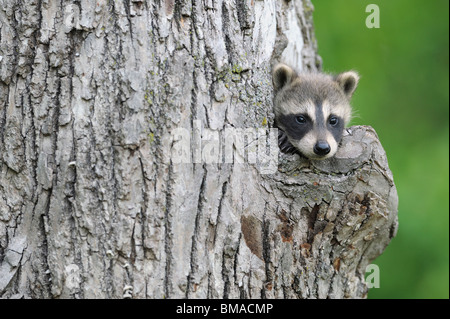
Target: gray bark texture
92, 202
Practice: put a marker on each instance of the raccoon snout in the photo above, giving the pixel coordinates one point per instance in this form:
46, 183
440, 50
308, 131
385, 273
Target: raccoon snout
322, 148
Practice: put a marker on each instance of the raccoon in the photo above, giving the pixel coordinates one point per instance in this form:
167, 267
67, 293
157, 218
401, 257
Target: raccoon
312, 110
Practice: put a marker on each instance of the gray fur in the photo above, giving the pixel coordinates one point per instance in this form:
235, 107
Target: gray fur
317, 97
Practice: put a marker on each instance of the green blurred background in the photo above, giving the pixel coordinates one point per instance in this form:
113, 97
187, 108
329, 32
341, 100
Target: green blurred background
403, 94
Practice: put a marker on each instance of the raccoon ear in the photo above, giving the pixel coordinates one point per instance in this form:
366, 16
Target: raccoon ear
348, 81
282, 75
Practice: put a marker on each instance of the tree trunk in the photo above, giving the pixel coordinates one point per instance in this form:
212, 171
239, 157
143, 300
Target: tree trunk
96, 200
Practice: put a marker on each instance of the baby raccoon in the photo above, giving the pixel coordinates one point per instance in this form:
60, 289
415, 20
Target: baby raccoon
311, 110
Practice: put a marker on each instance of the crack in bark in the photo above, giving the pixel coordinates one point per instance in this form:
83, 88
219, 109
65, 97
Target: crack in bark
219, 209
168, 235
195, 237
226, 32
266, 243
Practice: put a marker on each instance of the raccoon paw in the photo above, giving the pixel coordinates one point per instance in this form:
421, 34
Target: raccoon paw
284, 144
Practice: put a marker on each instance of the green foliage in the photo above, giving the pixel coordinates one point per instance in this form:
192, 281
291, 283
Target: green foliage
404, 95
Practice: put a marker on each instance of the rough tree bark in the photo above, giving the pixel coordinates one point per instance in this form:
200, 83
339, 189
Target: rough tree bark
92, 203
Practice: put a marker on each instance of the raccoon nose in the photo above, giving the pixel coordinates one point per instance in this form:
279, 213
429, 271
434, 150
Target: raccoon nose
322, 148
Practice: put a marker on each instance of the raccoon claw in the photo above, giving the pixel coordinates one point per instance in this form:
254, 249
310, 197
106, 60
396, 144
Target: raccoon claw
284, 144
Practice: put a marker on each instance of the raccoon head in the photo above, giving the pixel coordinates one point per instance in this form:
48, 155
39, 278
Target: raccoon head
312, 110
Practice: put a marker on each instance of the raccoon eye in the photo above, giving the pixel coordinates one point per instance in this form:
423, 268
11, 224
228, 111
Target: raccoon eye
333, 121
300, 119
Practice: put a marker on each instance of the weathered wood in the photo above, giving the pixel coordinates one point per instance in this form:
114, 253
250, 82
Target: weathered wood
93, 202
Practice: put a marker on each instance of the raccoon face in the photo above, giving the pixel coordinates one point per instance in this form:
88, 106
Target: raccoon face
312, 110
